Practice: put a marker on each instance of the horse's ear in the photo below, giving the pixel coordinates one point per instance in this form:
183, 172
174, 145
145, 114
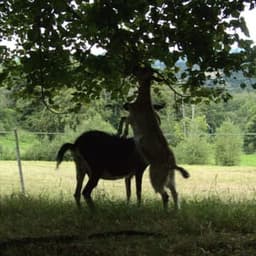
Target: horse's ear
158, 106
126, 106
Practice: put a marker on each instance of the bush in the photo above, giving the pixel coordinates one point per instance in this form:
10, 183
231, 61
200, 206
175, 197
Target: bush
194, 148
46, 148
43, 150
7, 147
228, 144
7, 154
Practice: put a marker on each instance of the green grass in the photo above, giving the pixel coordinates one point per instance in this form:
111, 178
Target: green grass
217, 215
202, 227
248, 160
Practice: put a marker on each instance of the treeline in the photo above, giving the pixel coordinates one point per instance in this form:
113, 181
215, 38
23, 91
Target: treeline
215, 133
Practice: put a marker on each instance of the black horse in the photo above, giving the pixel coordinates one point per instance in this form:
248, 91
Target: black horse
104, 156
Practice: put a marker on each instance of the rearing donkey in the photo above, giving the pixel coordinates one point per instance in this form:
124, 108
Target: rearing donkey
101, 155
150, 140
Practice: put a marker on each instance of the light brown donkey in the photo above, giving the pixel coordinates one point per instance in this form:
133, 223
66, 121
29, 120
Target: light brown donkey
150, 140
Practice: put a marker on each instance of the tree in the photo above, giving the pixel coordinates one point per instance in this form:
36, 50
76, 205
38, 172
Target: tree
250, 138
7, 114
194, 148
56, 44
228, 144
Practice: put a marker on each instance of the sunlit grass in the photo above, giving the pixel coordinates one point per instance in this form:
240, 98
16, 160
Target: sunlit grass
41, 178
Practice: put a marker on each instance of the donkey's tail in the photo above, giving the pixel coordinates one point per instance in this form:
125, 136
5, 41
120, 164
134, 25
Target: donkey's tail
185, 174
64, 148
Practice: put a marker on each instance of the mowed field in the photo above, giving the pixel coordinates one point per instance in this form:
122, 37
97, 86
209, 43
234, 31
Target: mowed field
217, 215
41, 178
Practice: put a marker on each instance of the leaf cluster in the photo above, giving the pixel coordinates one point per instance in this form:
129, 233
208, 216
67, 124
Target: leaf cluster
96, 46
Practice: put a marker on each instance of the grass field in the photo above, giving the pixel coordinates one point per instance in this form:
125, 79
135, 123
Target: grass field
248, 160
217, 215
41, 179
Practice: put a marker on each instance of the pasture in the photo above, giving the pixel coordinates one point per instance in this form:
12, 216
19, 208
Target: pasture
217, 215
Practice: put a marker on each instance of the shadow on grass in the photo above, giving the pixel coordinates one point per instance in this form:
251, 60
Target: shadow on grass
43, 225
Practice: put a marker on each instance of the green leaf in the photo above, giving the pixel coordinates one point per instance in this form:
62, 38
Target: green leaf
3, 76
243, 85
34, 35
254, 85
131, 33
60, 5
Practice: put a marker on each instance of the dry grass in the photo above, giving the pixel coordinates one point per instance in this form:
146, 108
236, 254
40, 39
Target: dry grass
41, 179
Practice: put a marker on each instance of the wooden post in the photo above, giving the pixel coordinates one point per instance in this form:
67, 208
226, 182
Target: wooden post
193, 111
183, 119
19, 161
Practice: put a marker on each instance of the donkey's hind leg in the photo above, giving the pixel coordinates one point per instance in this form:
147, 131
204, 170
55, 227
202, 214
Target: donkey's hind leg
128, 188
138, 181
165, 199
80, 174
91, 184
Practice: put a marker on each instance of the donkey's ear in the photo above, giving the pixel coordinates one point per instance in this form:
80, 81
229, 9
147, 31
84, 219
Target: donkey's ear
126, 106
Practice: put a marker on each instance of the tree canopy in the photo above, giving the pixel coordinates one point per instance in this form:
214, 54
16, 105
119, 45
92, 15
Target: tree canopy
90, 47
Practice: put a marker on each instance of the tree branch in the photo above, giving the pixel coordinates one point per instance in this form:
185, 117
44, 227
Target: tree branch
168, 83
41, 76
47, 105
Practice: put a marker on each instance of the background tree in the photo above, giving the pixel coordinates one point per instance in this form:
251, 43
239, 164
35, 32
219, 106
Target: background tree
7, 112
195, 148
250, 139
228, 144
101, 45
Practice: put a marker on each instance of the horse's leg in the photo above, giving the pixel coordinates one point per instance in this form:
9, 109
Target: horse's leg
91, 184
159, 174
138, 181
171, 185
80, 173
128, 188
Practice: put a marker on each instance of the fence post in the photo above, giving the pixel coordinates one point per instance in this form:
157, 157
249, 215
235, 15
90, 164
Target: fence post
19, 161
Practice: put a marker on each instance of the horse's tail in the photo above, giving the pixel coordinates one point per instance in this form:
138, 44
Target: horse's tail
185, 174
64, 148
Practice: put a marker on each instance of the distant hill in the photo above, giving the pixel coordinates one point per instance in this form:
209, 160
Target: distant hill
234, 81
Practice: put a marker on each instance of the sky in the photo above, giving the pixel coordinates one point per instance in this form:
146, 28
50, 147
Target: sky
250, 18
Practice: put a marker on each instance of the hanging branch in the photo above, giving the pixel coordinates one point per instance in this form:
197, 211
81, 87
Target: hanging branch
41, 75
161, 78
47, 105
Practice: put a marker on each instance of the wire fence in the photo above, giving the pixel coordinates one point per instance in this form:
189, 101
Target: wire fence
24, 145
21, 145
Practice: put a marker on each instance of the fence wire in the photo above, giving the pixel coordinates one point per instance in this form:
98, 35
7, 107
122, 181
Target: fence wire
42, 146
